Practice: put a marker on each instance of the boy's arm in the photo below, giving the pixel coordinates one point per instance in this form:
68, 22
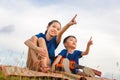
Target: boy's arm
88, 47
72, 22
56, 62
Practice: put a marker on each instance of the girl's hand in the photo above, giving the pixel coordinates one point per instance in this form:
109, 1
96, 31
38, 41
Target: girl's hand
41, 52
36, 63
73, 21
90, 42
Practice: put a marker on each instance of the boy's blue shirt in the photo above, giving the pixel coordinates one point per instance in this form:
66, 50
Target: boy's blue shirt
74, 56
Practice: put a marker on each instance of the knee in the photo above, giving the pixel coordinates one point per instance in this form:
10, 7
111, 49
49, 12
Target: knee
41, 40
34, 39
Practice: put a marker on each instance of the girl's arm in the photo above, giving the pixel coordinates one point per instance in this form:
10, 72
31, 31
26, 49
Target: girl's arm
32, 43
88, 47
72, 22
56, 62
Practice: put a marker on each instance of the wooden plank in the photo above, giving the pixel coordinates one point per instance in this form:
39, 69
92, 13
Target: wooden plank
73, 65
18, 71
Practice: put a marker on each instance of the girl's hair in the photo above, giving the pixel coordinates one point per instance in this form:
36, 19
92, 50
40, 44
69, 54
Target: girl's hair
65, 39
51, 22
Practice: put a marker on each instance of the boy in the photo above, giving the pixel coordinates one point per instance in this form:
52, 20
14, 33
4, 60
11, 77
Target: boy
70, 43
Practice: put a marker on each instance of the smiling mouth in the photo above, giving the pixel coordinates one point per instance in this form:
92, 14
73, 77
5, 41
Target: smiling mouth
74, 44
53, 32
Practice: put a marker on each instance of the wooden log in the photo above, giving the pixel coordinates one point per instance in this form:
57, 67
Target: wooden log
24, 72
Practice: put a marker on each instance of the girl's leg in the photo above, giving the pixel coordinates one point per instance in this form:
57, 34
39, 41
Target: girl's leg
32, 55
44, 60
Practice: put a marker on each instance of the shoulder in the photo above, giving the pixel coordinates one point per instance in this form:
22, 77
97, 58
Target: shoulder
40, 35
63, 51
78, 52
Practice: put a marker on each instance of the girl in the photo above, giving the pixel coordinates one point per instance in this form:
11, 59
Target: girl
42, 47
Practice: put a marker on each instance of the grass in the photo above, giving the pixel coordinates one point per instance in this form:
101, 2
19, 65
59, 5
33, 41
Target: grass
2, 77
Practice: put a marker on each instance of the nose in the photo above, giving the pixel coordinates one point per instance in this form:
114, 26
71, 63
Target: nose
74, 42
55, 30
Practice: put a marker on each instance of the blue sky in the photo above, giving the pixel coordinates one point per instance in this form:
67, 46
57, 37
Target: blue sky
21, 19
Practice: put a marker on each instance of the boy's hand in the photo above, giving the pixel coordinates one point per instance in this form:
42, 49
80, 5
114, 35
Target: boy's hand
53, 68
90, 42
73, 21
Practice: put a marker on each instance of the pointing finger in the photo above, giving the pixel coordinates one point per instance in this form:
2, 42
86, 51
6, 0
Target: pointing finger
74, 17
91, 38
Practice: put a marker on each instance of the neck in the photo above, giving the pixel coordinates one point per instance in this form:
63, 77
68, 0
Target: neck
70, 50
48, 37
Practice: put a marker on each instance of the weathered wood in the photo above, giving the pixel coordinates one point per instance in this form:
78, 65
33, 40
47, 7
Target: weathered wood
24, 72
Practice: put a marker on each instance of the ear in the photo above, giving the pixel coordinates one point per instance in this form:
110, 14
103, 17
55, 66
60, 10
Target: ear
65, 44
47, 27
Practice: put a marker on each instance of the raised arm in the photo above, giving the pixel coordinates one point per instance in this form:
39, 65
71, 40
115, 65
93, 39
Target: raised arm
72, 22
88, 47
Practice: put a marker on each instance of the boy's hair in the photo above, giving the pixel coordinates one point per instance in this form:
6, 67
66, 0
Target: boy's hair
65, 39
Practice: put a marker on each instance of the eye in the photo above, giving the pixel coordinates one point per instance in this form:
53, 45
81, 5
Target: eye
71, 40
54, 27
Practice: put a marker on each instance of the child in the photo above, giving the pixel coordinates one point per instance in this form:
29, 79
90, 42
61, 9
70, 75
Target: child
42, 47
70, 43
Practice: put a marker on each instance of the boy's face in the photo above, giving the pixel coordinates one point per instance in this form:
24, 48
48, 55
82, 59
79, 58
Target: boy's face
53, 29
71, 42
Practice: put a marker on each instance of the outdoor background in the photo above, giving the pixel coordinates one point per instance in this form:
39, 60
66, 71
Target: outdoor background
21, 19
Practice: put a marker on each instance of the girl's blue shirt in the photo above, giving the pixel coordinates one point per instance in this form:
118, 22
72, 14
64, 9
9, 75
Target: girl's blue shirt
51, 45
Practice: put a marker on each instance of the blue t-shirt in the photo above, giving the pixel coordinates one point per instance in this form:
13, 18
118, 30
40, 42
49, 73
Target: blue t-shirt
51, 45
72, 57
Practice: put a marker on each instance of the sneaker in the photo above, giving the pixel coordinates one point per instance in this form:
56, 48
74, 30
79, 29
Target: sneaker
66, 65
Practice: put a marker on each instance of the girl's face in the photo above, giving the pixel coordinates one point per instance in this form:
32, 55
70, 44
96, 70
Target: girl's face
53, 29
71, 42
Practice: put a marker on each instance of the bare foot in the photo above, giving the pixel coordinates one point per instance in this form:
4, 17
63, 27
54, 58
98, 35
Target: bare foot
44, 69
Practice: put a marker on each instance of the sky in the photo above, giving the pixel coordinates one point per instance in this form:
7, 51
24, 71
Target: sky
21, 19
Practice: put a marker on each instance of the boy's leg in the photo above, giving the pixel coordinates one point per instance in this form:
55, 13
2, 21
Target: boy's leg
44, 60
66, 64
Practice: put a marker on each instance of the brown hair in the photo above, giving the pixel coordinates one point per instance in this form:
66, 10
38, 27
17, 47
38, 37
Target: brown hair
51, 22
